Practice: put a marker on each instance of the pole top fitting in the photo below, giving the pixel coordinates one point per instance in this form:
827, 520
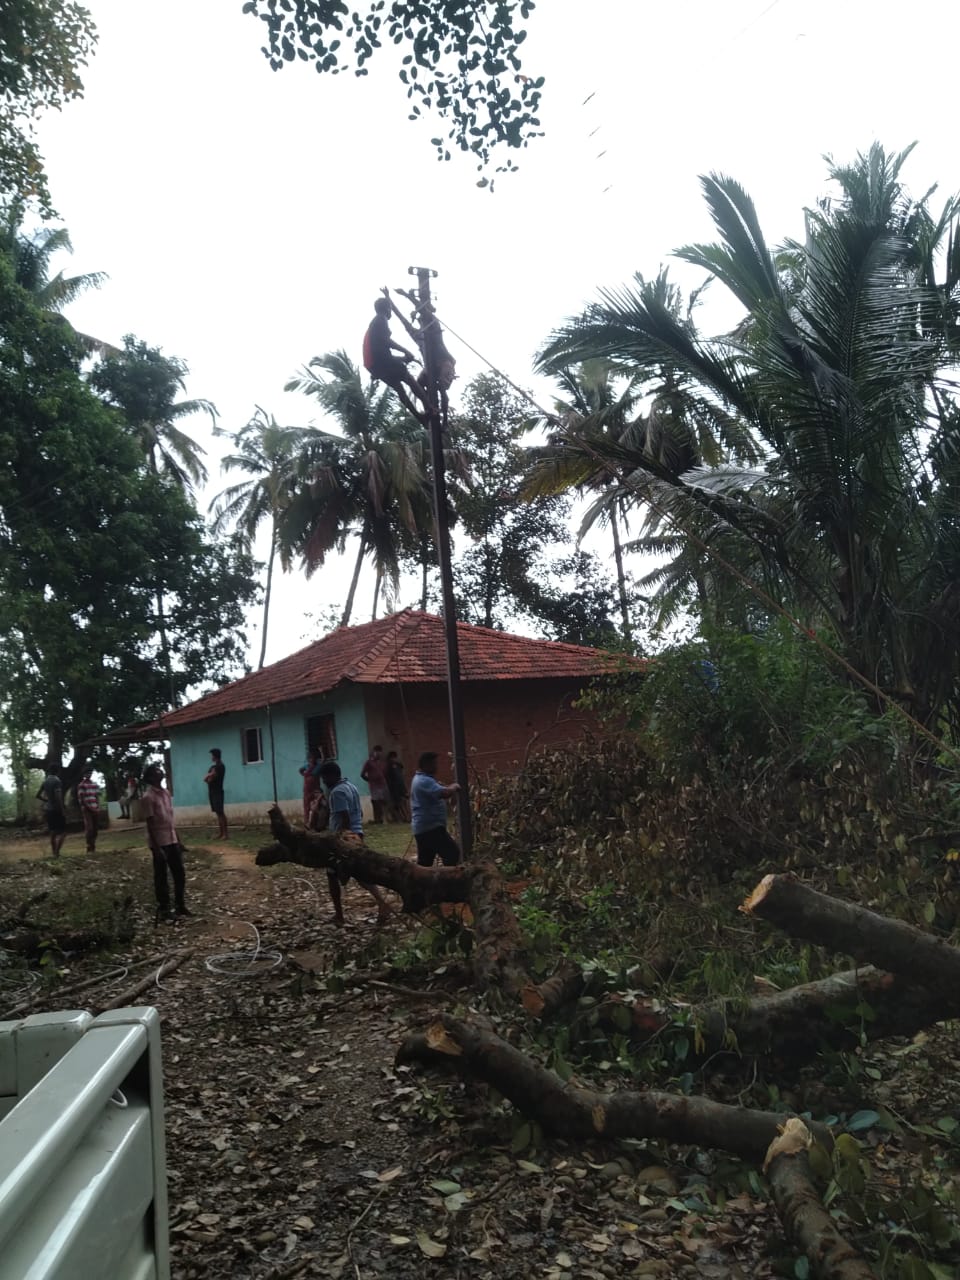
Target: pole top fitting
421, 271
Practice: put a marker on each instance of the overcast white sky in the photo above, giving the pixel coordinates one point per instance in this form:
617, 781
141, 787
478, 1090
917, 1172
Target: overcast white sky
247, 218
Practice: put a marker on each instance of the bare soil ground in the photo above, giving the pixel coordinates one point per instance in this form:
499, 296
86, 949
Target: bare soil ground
295, 1148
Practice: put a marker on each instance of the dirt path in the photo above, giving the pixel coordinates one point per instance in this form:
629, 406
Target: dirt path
295, 1149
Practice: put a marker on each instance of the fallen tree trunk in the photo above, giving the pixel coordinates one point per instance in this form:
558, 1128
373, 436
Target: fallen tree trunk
472, 1049
417, 887
498, 953
801, 1211
842, 926
789, 1027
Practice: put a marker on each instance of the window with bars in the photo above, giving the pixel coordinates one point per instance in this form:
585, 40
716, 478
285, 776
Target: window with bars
252, 745
321, 733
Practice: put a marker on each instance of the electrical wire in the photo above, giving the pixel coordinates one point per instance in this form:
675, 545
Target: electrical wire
310, 885
245, 962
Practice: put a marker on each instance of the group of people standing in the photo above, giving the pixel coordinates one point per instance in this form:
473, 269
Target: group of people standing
52, 802
383, 774
332, 802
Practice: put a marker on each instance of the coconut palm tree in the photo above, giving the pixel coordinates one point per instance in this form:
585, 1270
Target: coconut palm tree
592, 404
31, 257
673, 435
144, 384
366, 481
839, 375
272, 458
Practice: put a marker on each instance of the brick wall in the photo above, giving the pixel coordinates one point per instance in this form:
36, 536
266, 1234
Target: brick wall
503, 720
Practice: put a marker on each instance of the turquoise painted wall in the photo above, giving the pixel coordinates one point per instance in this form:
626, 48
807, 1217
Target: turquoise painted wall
253, 783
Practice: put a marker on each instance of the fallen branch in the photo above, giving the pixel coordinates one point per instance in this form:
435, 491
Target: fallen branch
411, 993
791, 1026
59, 993
498, 953
842, 926
417, 887
561, 988
472, 1049
129, 994
801, 1211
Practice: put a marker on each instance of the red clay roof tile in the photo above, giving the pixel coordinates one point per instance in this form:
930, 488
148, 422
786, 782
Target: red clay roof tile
406, 647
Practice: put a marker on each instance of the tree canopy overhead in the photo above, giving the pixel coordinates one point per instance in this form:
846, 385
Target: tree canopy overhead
43, 45
461, 59
84, 524
835, 401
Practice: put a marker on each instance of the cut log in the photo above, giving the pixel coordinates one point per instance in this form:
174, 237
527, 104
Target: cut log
854, 931
473, 1049
790, 1027
805, 1220
561, 988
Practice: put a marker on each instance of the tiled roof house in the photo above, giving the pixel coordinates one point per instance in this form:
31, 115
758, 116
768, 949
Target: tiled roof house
381, 682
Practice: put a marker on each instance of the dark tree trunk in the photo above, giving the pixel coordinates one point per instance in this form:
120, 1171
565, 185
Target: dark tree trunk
625, 628
267, 590
473, 1049
801, 1211
791, 1027
348, 607
841, 926
498, 952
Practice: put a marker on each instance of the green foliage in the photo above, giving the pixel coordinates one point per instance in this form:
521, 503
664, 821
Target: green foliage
31, 256
771, 697
367, 479
144, 384
43, 45
85, 525
460, 60
836, 490
714, 775
513, 566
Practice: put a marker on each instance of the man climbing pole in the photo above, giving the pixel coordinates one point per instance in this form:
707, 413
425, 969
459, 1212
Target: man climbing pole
382, 365
446, 365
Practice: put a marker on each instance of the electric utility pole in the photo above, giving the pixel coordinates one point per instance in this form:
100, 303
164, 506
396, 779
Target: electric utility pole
431, 345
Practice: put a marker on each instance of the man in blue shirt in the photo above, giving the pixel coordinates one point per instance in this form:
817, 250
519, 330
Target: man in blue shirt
428, 812
346, 816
